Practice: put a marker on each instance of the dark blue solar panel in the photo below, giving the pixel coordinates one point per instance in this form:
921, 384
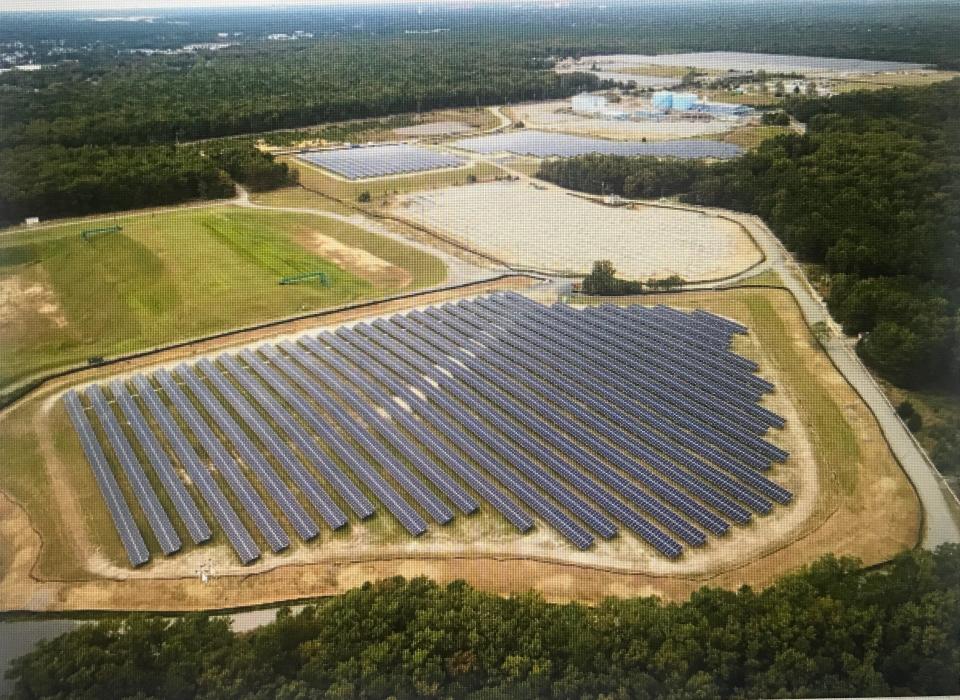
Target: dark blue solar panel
182, 500
364, 366
160, 523
295, 513
402, 511
359, 503
130, 536
382, 160
305, 481
226, 516
226, 466
545, 145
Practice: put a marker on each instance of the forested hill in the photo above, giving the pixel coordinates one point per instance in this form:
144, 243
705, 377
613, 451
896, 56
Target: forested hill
871, 192
831, 630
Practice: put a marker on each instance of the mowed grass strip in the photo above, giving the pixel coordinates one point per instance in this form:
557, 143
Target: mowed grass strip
173, 276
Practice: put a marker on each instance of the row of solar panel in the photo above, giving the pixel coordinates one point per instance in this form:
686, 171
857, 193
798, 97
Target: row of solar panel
588, 444
396, 335
379, 161
664, 446
546, 145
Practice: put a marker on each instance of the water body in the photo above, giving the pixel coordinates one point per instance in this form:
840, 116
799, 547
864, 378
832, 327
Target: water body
19, 637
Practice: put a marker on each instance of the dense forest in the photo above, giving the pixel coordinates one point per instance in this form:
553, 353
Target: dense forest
71, 136
829, 630
99, 93
905, 30
871, 192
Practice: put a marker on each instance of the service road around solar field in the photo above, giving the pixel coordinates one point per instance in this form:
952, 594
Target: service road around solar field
834, 506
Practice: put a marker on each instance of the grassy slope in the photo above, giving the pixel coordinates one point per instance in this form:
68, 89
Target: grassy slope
173, 276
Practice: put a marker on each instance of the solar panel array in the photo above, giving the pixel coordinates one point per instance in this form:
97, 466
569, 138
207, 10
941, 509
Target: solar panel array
585, 421
379, 161
545, 145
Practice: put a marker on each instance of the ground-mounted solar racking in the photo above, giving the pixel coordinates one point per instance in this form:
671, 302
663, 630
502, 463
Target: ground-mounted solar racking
588, 421
380, 161
541, 144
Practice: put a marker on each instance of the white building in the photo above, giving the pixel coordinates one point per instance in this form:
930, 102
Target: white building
588, 104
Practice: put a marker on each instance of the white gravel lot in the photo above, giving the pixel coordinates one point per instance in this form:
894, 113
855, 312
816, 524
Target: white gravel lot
550, 230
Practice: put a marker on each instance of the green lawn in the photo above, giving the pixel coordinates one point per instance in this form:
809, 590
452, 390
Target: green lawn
172, 276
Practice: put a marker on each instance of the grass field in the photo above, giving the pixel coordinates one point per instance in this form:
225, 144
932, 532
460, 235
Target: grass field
174, 276
749, 137
300, 198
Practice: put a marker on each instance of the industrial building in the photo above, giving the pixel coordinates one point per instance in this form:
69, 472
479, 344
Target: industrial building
680, 101
586, 103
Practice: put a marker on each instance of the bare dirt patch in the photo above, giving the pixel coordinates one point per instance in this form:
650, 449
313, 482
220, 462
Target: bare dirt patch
356, 260
556, 115
434, 129
23, 299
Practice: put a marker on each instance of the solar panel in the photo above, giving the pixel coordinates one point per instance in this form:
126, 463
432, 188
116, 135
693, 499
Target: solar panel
415, 427
591, 420
305, 481
385, 428
375, 449
382, 160
225, 464
355, 498
123, 521
718, 478
186, 508
545, 145
226, 516
295, 513
160, 523
404, 513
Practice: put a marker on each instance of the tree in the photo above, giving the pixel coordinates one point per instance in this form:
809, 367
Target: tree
602, 281
364, 197
905, 409
829, 629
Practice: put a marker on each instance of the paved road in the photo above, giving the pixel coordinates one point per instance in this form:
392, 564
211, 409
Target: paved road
940, 505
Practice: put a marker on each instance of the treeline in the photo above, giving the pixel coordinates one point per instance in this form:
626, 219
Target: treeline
255, 170
71, 136
603, 281
829, 631
258, 87
871, 193
54, 181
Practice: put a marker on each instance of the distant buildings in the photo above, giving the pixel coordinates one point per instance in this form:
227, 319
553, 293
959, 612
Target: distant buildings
664, 104
680, 101
299, 34
585, 103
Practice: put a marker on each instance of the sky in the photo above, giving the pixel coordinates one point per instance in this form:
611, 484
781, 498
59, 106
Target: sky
139, 5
